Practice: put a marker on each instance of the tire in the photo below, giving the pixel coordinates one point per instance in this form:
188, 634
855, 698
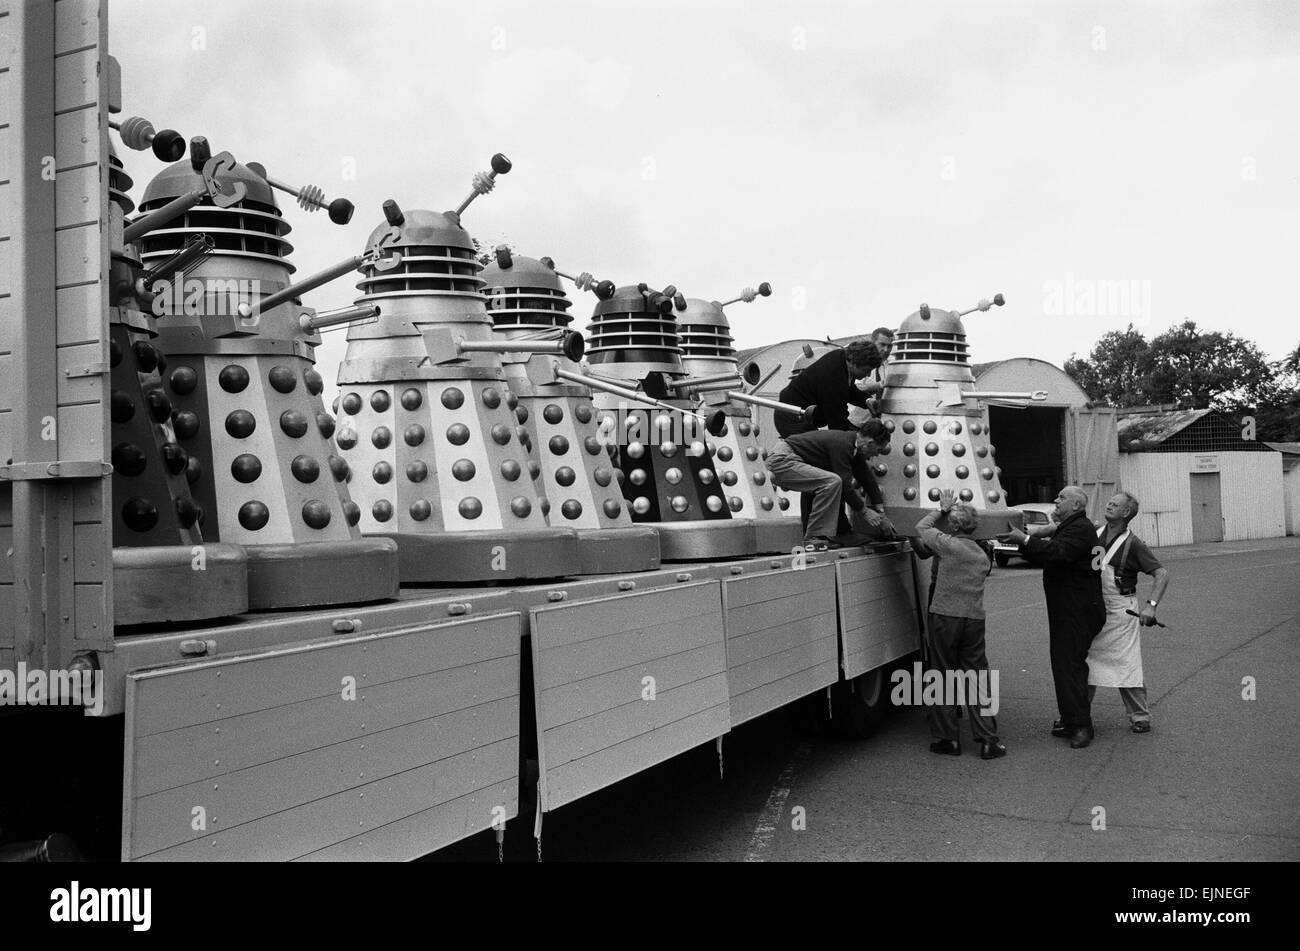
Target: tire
808, 715
860, 704
1001, 558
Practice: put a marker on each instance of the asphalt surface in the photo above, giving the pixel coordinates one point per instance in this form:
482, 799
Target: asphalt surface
1218, 778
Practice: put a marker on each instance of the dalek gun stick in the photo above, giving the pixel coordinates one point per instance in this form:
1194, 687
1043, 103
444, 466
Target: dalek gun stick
301, 287
310, 197
628, 394
805, 413
571, 345
484, 182
359, 313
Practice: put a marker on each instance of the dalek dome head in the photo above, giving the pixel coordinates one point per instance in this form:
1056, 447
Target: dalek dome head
524, 292
425, 255
705, 335
931, 335
418, 228
636, 325
180, 178
251, 231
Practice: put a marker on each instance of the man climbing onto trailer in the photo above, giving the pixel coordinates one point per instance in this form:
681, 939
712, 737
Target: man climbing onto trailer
823, 464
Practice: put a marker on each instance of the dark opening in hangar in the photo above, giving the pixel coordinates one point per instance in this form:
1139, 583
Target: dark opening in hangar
1030, 451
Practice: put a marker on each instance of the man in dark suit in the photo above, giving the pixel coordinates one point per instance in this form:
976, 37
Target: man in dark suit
1076, 611
827, 383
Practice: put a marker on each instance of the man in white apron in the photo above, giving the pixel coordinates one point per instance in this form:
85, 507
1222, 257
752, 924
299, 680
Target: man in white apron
1115, 658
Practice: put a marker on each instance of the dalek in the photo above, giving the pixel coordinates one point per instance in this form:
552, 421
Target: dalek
939, 438
658, 434
441, 449
244, 392
715, 379
526, 302
158, 544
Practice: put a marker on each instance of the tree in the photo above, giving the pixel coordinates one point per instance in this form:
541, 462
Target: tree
1200, 370
1116, 370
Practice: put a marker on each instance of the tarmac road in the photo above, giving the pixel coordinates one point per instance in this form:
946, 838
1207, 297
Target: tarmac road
1218, 778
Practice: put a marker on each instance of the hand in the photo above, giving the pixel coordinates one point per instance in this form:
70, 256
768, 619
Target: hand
1147, 616
947, 499
1013, 536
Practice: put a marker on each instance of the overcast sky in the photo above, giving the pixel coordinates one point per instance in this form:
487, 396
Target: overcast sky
862, 157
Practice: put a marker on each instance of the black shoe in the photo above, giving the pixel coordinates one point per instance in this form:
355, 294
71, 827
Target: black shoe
1141, 726
948, 747
992, 750
1060, 729
1081, 737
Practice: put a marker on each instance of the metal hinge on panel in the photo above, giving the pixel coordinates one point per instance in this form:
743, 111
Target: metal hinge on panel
35, 471
92, 369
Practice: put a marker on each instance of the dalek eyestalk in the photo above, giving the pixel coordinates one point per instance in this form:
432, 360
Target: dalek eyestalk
749, 294
484, 182
621, 391
603, 290
162, 216
139, 134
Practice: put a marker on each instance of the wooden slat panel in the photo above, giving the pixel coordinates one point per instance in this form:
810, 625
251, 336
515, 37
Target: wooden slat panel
319, 824
262, 791
753, 703
779, 650
426, 831
573, 701
285, 767
166, 760
582, 777
877, 612
304, 672
79, 319
76, 256
568, 663
76, 81
599, 732
76, 24
579, 643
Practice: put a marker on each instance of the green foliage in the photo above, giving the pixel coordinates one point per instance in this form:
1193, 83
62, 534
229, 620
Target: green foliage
1194, 370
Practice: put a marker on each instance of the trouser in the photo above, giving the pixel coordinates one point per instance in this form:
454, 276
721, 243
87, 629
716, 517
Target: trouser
1135, 702
825, 488
1073, 621
805, 513
957, 643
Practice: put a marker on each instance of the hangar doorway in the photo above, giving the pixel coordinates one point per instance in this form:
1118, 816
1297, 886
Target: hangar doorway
1030, 446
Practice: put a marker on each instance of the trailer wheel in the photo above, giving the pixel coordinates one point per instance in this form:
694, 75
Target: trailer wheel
860, 703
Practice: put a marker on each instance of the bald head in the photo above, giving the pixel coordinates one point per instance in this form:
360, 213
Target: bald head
1071, 499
